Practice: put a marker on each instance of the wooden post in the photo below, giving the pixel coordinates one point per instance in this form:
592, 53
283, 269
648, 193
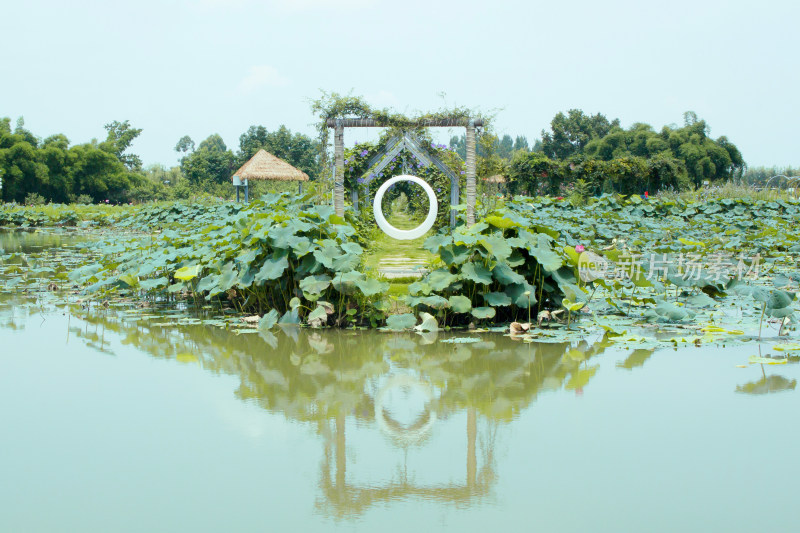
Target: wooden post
471, 192
354, 197
455, 194
338, 178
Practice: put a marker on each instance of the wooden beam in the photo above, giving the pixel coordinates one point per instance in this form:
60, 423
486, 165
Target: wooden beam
429, 123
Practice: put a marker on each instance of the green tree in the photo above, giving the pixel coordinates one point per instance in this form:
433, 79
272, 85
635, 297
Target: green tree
119, 139
571, 133
185, 144
296, 149
212, 162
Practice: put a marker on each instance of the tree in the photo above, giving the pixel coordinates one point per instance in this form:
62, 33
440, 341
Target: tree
185, 144
571, 133
120, 137
211, 162
296, 149
521, 143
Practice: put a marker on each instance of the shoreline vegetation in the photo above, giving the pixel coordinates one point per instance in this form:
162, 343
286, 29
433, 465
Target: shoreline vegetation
699, 268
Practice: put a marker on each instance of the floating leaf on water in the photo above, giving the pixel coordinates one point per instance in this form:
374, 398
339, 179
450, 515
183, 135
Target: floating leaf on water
461, 340
785, 347
755, 359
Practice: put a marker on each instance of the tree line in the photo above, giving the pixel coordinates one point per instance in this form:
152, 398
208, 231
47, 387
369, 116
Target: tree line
36, 170
595, 154
579, 151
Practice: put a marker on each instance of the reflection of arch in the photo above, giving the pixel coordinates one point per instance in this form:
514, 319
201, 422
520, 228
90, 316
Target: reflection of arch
348, 499
416, 432
326, 376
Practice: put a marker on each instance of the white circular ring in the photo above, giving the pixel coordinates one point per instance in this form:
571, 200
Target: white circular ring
405, 234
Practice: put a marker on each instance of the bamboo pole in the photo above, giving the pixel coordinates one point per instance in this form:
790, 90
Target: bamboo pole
471, 187
338, 178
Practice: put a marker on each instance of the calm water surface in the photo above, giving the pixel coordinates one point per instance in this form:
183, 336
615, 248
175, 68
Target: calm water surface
114, 420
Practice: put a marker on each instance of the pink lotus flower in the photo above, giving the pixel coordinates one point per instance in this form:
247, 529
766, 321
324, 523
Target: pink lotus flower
579, 248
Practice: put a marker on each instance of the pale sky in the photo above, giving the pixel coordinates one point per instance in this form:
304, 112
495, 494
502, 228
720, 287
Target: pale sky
197, 67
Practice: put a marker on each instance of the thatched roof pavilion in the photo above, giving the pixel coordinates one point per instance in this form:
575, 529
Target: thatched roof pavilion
265, 166
497, 178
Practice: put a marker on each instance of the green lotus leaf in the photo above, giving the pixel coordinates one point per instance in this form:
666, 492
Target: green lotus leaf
346, 262
301, 245
497, 299
188, 272
434, 242
371, 286
247, 257
460, 304
153, 283
272, 269
289, 318
318, 316
315, 284
522, 294
281, 235
327, 254
130, 281
477, 273
440, 279
401, 322
208, 283
506, 275
268, 321
435, 301
779, 299
497, 246
502, 222
419, 287
454, 254
352, 248
346, 282
483, 312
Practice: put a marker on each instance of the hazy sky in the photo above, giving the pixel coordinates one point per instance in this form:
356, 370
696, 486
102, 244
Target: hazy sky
197, 67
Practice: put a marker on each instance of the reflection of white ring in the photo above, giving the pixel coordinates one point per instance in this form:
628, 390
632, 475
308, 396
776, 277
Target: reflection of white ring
416, 432
405, 234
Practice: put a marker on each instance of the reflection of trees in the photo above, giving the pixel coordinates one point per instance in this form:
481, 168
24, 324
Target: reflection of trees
327, 377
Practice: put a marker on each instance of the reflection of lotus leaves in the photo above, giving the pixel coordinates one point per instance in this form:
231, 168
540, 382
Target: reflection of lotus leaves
416, 432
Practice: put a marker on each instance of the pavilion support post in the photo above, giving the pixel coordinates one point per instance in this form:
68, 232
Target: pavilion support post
354, 197
338, 178
471, 189
246, 192
455, 193
237, 193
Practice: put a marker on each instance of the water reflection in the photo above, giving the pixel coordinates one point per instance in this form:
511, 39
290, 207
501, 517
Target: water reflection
402, 385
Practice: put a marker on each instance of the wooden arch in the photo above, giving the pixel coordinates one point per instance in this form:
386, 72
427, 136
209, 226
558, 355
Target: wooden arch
411, 143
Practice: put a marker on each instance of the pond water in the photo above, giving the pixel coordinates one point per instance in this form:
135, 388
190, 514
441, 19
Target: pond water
119, 419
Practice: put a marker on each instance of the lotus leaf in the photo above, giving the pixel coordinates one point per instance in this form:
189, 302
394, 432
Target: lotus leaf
401, 322
483, 312
460, 304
